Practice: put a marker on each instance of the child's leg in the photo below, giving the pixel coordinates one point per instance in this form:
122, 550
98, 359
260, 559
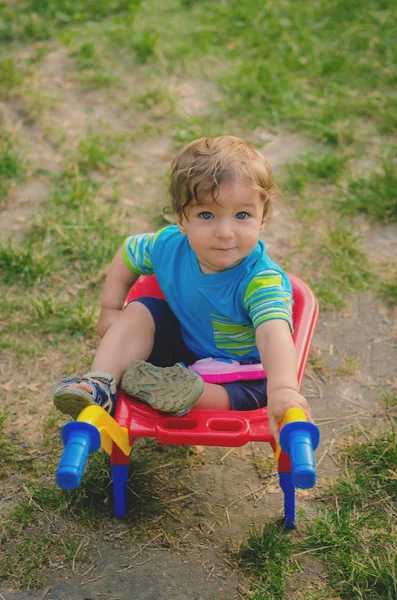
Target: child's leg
130, 338
125, 346
246, 394
214, 397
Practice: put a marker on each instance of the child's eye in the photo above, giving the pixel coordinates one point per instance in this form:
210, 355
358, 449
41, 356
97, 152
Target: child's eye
206, 215
242, 215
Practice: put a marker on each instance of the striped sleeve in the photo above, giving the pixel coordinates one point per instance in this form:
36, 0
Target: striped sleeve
266, 299
137, 252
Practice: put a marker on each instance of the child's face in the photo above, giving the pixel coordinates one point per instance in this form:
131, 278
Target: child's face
224, 232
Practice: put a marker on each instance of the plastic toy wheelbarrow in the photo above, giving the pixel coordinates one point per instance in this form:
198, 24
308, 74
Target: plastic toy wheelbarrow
94, 427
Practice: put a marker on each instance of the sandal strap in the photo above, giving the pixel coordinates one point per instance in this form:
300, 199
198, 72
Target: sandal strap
103, 377
102, 395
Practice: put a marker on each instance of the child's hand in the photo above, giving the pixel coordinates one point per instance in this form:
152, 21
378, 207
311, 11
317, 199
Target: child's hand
278, 402
107, 317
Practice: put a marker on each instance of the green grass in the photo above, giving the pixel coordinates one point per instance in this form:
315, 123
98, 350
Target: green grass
15, 457
72, 316
12, 164
75, 515
40, 19
35, 548
374, 195
51, 319
25, 264
86, 240
344, 267
328, 65
388, 292
326, 166
14, 339
69, 243
8, 448
95, 67
11, 75
359, 561
63, 255
52, 426
96, 152
264, 557
91, 502
141, 43
323, 60
354, 536
389, 399
74, 229
349, 366
29, 544
292, 37
305, 178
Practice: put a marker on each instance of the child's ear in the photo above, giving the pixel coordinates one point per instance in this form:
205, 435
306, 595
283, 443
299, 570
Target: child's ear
262, 227
180, 225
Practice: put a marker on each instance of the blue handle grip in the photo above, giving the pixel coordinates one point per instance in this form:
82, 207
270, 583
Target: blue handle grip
80, 440
299, 439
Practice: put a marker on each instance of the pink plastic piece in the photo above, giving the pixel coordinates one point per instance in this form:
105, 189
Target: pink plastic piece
223, 370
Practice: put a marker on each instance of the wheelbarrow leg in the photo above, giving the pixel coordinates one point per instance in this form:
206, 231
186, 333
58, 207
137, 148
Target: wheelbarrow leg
120, 476
288, 488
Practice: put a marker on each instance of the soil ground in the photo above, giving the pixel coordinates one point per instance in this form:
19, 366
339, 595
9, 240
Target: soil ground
197, 565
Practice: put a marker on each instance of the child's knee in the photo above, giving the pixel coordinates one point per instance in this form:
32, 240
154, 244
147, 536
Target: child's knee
139, 313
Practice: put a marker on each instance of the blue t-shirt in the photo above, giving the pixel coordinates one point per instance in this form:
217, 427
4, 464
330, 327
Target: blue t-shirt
218, 312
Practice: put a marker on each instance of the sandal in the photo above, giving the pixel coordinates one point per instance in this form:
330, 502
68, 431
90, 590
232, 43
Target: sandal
170, 389
71, 401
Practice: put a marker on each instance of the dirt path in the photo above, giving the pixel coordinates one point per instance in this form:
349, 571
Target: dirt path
188, 560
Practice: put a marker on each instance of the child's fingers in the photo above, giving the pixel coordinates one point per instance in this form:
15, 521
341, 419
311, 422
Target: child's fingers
306, 408
274, 427
308, 412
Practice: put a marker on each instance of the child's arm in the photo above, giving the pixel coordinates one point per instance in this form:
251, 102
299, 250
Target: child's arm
117, 285
278, 357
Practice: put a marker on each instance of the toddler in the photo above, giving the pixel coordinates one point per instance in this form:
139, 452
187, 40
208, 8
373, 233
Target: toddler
225, 298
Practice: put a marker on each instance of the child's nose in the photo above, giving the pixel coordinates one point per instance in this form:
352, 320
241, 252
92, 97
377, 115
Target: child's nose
224, 229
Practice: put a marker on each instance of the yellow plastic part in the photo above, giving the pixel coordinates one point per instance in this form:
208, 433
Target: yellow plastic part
108, 428
292, 415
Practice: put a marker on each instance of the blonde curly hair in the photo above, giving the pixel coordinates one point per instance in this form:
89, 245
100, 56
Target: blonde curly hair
201, 167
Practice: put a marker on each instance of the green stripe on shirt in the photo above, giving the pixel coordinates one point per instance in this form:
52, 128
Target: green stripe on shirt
266, 299
137, 252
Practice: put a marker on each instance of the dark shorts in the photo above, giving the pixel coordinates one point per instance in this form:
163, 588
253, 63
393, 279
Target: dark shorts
169, 348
